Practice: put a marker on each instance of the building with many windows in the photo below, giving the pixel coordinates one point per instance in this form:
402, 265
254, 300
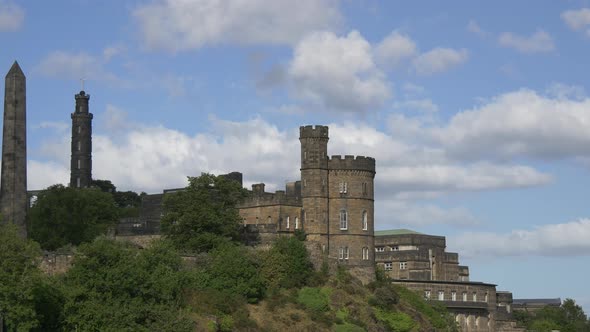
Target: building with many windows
421, 263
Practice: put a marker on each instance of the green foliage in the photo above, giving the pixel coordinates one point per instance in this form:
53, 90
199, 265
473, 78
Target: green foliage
63, 215
317, 300
300, 234
286, 264
395, 321
231, 270
569, 317
385, 297
104, 185
19, 277
204, 215
435, 312
115, 286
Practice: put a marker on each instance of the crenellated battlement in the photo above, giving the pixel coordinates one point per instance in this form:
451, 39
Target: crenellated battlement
258, 197
316, 131
361, 163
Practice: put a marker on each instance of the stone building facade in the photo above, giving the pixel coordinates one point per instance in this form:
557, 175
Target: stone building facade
420, 262
81, 157
333, 204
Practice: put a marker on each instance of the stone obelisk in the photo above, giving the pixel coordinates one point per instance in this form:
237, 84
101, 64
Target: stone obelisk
13, 190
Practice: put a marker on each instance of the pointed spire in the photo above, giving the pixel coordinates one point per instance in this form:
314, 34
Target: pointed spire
15, 70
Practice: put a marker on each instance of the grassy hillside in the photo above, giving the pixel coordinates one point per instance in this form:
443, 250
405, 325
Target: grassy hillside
341, 304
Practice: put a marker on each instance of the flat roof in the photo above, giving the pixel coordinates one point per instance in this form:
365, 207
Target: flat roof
401, 231
552, 301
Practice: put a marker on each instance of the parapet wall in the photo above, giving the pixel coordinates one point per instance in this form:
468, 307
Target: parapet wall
313, 131
358, 163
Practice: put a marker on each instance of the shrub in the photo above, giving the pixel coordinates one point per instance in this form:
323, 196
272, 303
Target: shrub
395, 321
316, 300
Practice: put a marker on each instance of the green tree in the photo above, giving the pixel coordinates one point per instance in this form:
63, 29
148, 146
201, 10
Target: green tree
231, 269
204, 215
114, 286
19, 276
64, 215
286, 264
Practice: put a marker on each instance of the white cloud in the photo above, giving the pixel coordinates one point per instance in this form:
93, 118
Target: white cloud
540, 41
394, 49
577, 19
471, 177
337, 73
567, 239
182, 25
439, 59
11, 16
76, 66
392, 214
518, 124
41, 175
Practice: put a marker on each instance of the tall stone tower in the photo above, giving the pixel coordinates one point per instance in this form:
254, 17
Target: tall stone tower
81, 162
314, 185
13, 191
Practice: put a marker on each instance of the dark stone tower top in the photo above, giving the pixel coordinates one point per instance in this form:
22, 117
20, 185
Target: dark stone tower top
82, 102
13, 191
15, 71
81, 162
314, 146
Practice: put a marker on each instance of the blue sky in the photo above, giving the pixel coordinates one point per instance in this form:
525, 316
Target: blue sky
477, 113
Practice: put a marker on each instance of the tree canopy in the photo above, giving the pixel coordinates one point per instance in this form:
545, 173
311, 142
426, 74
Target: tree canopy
204, 215
19, 276
63, 215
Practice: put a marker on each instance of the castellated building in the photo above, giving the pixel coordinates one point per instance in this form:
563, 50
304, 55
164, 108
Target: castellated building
333, 204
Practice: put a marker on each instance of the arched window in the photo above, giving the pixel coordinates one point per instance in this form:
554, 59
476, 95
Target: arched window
343, 220
364, 221
287, 226
79, 146
269, 220
296, 223
79, 163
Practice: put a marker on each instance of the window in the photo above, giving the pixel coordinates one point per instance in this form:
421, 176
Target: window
365, 253
394, 248
441, 295
79, 146
79, 129
388, 266
343, 220
269, 220
464, 296
343, 253
364, 221
79, 163
403, 265
453, 296
78, 182
305, 182
343, 187
427, 295
304, 155
379, 249
296, 223
364, 187
474, 297
485, 297
288, 222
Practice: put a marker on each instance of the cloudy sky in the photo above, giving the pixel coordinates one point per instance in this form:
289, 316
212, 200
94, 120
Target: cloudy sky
478, 114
